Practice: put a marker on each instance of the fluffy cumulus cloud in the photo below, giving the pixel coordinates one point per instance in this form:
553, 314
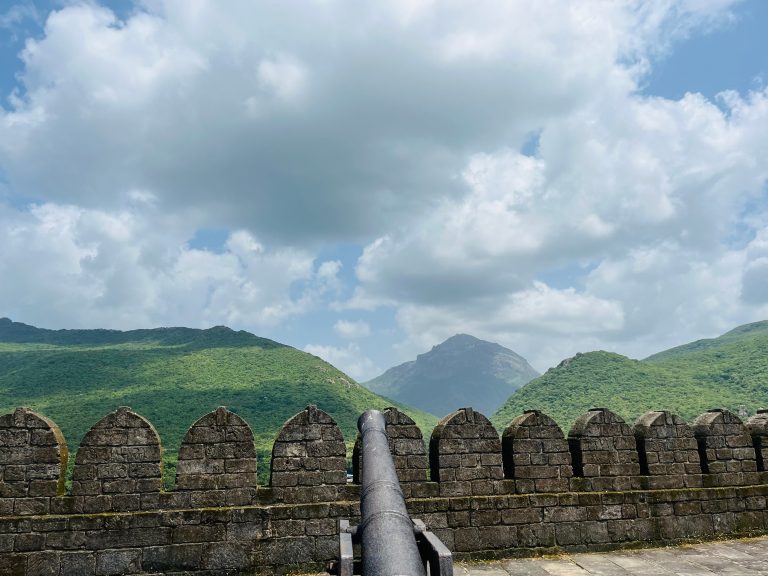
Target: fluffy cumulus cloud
660, 204
497, 163
267, 117
68, 266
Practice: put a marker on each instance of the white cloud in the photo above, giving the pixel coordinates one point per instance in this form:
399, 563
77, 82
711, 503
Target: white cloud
329, 271
283, 75
407, 12
349, 360
331, 124
352, 330
647, 193
471, 45
671, 294
545, 309
74, 267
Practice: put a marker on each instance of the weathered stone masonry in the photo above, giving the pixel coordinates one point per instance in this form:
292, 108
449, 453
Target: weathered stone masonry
531, 490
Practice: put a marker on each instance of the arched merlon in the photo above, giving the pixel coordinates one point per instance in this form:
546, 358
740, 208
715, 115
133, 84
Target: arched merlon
667, 450
535, 453
406, 444
603, 449
217, 453
309, 458
757, 426
725, 448
119, 461
33, 455
465, 454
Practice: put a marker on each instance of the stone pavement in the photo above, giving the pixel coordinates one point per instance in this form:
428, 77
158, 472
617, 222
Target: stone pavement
746, 557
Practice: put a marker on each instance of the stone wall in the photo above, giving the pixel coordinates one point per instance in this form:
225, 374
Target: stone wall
530, 491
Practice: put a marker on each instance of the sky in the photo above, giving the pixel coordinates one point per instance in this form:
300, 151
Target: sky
362, 180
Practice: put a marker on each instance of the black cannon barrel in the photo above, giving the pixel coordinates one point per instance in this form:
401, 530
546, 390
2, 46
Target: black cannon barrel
387, 539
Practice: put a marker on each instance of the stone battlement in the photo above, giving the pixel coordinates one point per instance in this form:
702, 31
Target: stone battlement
604, 485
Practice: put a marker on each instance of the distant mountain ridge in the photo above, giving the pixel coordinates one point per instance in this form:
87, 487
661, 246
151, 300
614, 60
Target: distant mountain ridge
462, 371
19, 332
729, 371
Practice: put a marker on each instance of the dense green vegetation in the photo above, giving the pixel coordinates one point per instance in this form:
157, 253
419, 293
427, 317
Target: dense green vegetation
172, 376
730, 371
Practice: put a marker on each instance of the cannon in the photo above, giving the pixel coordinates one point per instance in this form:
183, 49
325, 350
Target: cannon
391, 543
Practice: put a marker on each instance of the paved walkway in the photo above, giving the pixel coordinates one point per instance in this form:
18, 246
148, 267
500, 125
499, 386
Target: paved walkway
747, 557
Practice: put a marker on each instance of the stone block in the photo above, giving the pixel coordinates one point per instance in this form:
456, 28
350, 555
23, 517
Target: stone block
227, 556
43, 564
77, 563
117, 562
172, 558
198, 533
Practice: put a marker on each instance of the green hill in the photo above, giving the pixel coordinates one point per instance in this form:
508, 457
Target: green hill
730, 371
172, 376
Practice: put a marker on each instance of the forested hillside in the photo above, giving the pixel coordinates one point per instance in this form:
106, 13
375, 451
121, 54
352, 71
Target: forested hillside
730, 371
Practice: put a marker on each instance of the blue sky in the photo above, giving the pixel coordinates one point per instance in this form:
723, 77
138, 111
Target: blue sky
362, 181
733, 56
